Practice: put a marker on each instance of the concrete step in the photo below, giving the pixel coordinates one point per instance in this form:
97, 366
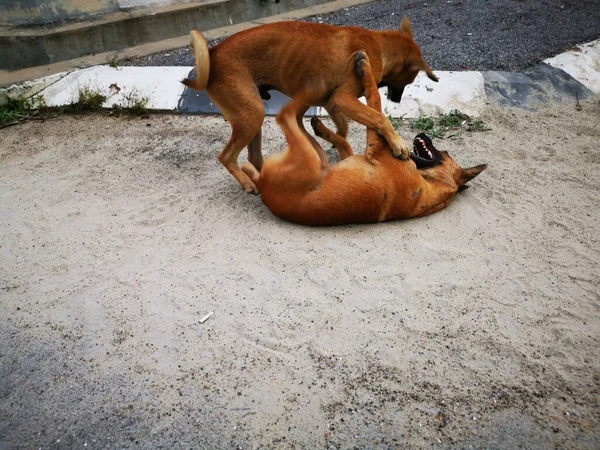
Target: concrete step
29, 47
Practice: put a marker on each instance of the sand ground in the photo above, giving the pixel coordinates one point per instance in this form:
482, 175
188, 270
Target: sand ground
477, 326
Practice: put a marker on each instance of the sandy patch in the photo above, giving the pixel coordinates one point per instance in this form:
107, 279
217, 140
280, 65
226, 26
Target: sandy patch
478, 325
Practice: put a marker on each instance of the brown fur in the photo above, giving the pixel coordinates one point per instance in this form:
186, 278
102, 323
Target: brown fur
357, 189
281, 56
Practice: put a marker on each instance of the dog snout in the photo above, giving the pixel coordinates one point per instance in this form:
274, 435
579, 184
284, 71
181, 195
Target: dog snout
395, 94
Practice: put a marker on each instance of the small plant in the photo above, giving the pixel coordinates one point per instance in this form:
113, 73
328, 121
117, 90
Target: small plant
428, 125
477, 125
135, 103
424, 123
394, 122
453, 121
89, 100
18, 110
112, 62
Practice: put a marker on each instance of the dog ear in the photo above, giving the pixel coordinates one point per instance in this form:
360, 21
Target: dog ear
467, 175
405, 27
422, 65
432, 76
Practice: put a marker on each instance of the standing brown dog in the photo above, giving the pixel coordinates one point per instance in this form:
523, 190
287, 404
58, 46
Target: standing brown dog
292, 57
357, 189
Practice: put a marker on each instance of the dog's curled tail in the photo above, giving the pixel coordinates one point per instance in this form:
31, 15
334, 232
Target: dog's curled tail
202, 62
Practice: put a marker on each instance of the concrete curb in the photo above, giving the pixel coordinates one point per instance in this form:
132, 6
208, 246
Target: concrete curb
571, 76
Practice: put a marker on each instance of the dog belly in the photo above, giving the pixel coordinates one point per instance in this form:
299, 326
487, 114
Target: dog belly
317, 212
337, 200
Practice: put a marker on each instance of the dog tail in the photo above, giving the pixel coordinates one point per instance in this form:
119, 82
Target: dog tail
202, 62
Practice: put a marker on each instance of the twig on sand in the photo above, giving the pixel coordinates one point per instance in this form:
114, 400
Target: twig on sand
206, 317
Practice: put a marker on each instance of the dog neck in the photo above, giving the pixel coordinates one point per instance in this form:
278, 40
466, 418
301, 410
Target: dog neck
396, 47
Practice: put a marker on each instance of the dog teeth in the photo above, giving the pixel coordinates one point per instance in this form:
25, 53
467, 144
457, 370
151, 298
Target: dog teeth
423, 147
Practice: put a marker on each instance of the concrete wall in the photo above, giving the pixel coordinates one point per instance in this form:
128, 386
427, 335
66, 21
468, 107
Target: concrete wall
30, 47
129, 4
43, 12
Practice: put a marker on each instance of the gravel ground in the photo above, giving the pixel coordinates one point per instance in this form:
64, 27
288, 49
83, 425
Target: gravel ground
509, 35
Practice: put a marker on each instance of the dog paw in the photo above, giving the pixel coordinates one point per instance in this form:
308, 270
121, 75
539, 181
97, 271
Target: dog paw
360, 68
401, 150
250, 188
361, 63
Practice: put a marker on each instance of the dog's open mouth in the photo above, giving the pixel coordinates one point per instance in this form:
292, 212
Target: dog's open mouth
424, 154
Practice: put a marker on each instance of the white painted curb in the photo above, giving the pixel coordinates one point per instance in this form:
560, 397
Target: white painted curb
456, 90
583, 64
161, 85
464, 91
122, 85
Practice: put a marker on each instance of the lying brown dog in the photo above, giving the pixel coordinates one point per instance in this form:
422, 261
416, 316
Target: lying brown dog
289, 57
357, 189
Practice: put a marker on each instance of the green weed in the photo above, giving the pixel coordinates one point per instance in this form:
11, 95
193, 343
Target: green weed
90, 100
429, 125
394, 122
135, 103
455, 120
477, 125
112, 62
17, 110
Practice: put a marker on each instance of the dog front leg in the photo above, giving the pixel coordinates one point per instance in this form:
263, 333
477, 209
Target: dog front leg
349, 105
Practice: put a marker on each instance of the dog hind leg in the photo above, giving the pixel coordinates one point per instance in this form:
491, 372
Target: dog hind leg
249, 169
255, 152
245, 112
364, 71
339, 143
300, 154
313, 141
341, 123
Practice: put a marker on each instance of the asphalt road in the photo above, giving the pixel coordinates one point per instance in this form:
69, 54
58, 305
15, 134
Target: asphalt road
509, 35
